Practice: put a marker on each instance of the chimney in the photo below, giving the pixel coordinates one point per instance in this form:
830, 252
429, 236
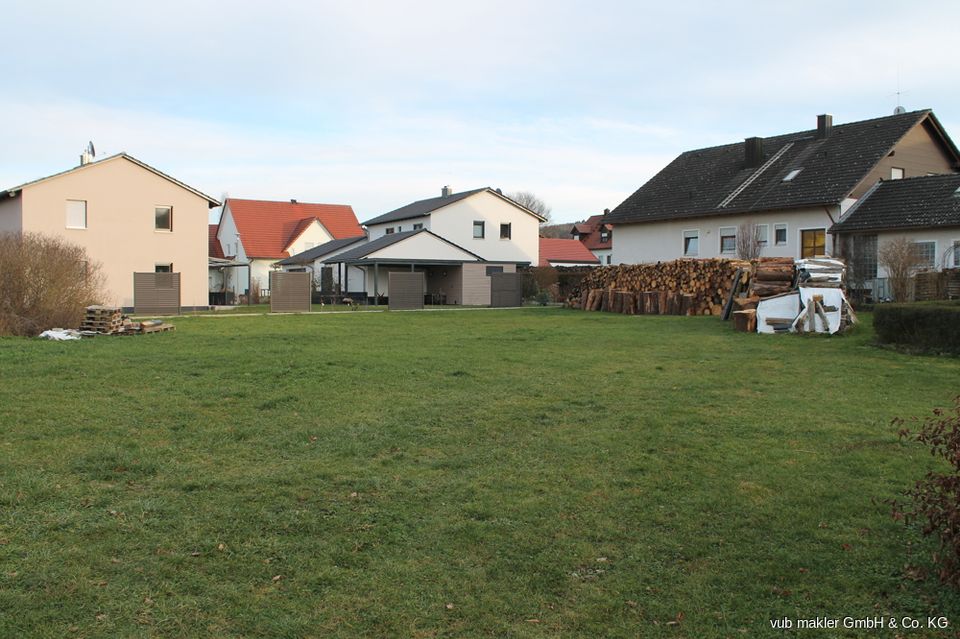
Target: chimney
446, 191
753, 152
292, 201
85, 158
824, 125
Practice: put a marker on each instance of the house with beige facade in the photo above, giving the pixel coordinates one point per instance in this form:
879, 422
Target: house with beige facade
789, 190
458, 240
128, 216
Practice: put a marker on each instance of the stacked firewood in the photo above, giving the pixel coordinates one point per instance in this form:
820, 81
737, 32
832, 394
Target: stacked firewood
680, 287
772, 276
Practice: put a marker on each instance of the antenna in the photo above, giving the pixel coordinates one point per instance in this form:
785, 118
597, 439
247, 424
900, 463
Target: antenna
899, 108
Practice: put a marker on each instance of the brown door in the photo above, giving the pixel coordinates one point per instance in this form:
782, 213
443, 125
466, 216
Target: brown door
813, 242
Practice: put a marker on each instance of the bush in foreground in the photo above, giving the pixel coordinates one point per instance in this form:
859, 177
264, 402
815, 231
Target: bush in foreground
934, 501
928, 326
46, 282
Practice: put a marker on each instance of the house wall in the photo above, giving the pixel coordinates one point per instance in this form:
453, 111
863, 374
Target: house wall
10, 215
917, 154
423, 246
455, 223
663, 241
379, 230
602, 255
944, 237
120, 234
313, 235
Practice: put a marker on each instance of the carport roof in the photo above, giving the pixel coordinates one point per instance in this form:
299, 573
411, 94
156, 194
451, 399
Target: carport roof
363, 253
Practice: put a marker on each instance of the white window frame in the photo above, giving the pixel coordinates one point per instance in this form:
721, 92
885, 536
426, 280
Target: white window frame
157, 265
933, 265
85, 219
482, 225
509, 235
893, 174
168, 229
763, 238
389, 230
721, 235
786, 233
683, 244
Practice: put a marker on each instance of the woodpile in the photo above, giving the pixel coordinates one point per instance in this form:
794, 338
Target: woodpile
772, 276
680, 287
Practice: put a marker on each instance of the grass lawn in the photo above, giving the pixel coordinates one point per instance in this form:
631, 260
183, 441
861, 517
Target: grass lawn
531, 473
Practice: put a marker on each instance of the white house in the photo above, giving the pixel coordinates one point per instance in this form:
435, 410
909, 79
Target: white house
457, 239
259, 233
345, 279
791, 188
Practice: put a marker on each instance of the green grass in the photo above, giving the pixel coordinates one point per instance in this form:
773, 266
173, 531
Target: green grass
532, 473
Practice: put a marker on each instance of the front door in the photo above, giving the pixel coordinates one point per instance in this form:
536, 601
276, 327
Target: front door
813, 242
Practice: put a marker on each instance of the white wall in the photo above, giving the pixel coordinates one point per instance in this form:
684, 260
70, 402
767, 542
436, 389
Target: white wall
663, 241
10, 215
313, 235
944, 238
602, 255
379, 230
455, 223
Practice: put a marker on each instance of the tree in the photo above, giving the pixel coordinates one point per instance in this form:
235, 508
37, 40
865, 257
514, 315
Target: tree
900, 259
532, 202
748, 241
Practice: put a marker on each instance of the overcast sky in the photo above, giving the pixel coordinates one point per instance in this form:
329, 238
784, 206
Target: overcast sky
377, 104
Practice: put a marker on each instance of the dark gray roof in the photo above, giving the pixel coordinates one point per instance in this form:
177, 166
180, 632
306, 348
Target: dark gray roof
421, 207
319, 251
918, 202
706, 181
382, 242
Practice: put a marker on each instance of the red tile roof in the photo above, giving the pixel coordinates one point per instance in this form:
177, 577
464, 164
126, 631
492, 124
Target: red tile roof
589, 231
569, 251
268, 228
213, 244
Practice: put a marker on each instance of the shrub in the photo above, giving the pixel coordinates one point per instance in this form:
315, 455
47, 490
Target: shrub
933, 326
934, 500
46, 282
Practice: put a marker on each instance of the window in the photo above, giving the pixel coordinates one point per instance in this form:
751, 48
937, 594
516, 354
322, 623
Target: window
604, 235
780, 234
896, 173
926, 253
163, 218
792, 174
417, 227
478, 230
813, 242
728, 239
691, 243
389, 230
956, 253
863, 257
163, 268
505, 231
609, 257
763, 234
494, 269
76, 214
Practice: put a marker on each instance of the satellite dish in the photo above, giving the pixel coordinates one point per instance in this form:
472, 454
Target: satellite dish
91, 150
899, 110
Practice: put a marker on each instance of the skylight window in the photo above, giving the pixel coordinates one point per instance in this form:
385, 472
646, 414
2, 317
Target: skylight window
792, 174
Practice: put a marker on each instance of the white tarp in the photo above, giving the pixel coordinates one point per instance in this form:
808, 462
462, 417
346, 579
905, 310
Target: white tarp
786, 306
59, 334
832, 297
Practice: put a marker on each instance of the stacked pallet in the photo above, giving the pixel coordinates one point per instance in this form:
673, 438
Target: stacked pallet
772, 276
105, 320
147, 326
680, 287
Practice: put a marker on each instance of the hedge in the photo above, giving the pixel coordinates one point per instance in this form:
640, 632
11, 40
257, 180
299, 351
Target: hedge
927, 326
